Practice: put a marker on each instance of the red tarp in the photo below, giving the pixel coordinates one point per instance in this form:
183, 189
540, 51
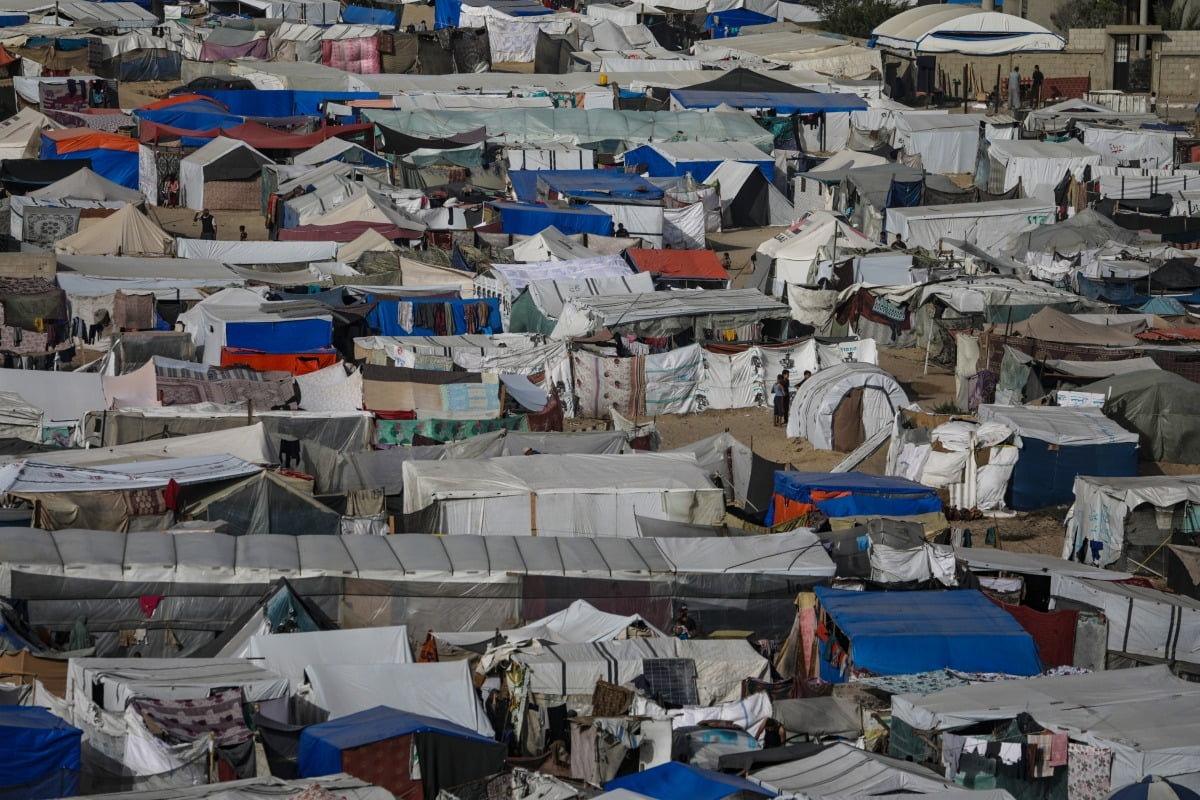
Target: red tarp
1053, 632
295, 363
175, 100
345, 232
696, 264
255, 134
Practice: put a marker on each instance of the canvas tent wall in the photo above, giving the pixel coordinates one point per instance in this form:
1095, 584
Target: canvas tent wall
290, 654
224, 174
797, 252
1038, 166
748, 198
945, 143
128, 232
840, 407
1098, 523
1161, 407
1144, 715
578, 623
19, 419
575, 495
1058, 443
988, 225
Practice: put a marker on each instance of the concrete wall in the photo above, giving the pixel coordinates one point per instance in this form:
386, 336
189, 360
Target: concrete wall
1176, 69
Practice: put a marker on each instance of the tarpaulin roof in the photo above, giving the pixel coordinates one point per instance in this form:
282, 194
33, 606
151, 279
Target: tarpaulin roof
846, 494
675, 779
927, 631
787, 102
37, 744
842, 770
586, 184
1059, 425
531, 218
127, 232
1145, 715
699, 264
75, 140
585, 316
34, 477
252, 133
1052, 325
321, 745
85, 184
1161, 407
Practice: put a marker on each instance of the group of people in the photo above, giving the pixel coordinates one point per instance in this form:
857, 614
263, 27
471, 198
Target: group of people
1014, 87
781, 395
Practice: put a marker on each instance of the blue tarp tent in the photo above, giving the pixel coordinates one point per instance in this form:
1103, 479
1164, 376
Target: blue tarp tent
732, 20
849, 494
39, 754
699, 159
676, 780
602, 185
533, 218
193, 115
783, 102
901, 633
385, 317
448, 754
112, 156
361, 15
284, 336
447, 12
279, 102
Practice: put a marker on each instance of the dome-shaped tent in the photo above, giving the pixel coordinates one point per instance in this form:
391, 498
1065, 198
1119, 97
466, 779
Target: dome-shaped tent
840, 407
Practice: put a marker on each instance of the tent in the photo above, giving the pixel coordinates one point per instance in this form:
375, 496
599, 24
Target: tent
584, 185
369, 241
676, 159
929, 630
224, 174
1051, 325
550, 244
128, 232
567, 495
664, 313
968, 30
743, 88
266, 502
111, 683
41, 754
682, 269
819, 237
945, 143
19, 419
848, 494
842, 770
840, 407
444, 690
578, 623
1145, 716
748, 198
1037, 166
988, 225
1057, 443
384, 746
84, 184
1162, 408
63, 397
1099, 529
113, 156
674, 779
239, 318
290, 654
20, 134
1059, 116
532, 218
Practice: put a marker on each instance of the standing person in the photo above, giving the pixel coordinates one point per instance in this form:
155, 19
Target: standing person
1014, 88
242, 233
1035, 91
778, 399
173, 192
208, 224
787, 394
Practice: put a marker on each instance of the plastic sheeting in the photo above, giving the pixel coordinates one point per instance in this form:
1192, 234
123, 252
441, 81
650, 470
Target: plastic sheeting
817, 402
842, 770
988, 225
1102, 505
961, 630
1144, 715
290, 654
123, 679
578, 623
575, 495
441, 690
1141, 621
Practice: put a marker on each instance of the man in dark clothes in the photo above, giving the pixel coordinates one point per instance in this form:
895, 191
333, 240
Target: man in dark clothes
208, 224
684, 626
1035, 91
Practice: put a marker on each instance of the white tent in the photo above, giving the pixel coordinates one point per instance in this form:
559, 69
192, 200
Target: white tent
1039, 166
443, 690
842, 770
128, 232
1121, 144
20, 134
19, 419
230, 252
578, 623
1147, 624
84, 184
123, 679
1103, 504
1145, 716
222, 159
291, 654
748, 198
369, 241
206, 321
1059, 116
548, 245
64, 397
946, 143
248, 443
988, 225
970, 31
586, 316
560, 495
817, 238
571, 670
515, 277
840, 407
